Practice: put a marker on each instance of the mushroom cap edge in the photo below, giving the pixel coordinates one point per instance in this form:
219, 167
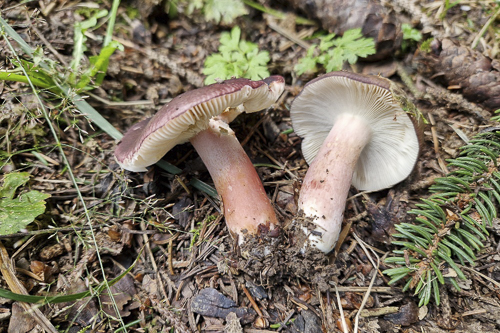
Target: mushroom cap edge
148, 141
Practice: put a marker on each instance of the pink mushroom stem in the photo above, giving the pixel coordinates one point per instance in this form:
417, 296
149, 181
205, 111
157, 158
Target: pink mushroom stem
328, 179
246, 205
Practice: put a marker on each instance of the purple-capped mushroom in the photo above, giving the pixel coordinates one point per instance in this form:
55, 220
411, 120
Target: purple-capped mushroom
356, 129
201, 116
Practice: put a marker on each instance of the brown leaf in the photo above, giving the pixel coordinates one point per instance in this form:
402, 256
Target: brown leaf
44, 271
114, 233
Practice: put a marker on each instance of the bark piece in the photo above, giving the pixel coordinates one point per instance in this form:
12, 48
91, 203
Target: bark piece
375, 21
306, 322
257, 291
407, 315
209, 302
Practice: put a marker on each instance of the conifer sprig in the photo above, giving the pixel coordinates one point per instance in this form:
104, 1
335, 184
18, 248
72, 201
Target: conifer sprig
451, 225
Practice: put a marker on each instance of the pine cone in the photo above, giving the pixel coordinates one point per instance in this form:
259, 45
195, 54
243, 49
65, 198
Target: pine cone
477, 76
375, 21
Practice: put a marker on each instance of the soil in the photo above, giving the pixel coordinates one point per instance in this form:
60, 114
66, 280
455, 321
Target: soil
178, 268
270, 260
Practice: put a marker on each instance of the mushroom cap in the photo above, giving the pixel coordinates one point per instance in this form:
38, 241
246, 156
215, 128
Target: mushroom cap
392, 152
146, 142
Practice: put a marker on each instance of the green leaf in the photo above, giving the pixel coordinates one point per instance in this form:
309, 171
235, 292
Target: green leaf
335, 61
230, 41
435, 287
397, 278
308, 63
257, 65
193, 5
411, 247
79, 37
17, 213
204, 187
223, 10
334, 52
410, 34
326, 42
438, 273
236, 58
305, 65
99, 65
355, 45
397, 271
40, 77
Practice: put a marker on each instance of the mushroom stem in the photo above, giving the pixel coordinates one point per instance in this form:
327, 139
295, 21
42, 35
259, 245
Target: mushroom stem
246, 205
328, 179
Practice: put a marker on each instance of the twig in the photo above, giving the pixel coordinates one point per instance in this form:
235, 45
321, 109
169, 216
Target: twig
484, 28
252, 130
455, 100
343, 235
45, 231
153, 263
408, 81
387, 290
441, 163
365, 298
301, 35
497, 284
6, 267
277, 163
379, 311
290, 35
341, 310
170, 255
473, 312
141, 102
48, 45
276, 13
252, 301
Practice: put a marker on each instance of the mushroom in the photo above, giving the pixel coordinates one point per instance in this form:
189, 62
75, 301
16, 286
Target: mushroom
356, 129
201, 116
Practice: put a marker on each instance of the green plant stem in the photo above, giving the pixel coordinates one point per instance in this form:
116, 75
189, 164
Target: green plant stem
7, 76
483, 30
111, 23
277, 13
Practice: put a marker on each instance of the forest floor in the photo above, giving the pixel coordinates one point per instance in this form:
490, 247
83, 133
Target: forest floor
182, 272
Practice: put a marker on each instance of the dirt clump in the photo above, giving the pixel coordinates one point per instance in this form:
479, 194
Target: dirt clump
272, 259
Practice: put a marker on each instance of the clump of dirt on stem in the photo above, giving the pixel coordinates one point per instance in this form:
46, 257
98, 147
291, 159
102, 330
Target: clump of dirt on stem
273, 258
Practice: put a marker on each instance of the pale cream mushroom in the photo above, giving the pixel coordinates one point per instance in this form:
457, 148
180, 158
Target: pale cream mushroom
357, 130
